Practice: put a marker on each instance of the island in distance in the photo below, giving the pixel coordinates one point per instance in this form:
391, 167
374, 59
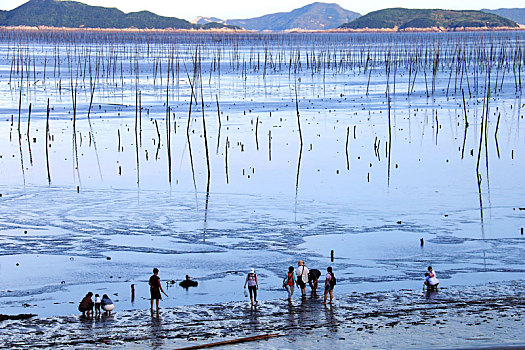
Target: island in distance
73, 14
402, 18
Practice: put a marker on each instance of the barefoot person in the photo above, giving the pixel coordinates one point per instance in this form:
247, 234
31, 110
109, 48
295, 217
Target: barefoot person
329, 285
289, 282
253, 285
302, 277
155, 287
313, 279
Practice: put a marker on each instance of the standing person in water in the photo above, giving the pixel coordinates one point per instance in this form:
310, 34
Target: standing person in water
302, 277
313, 279
289, 282
329, 285
253, 285
155, 287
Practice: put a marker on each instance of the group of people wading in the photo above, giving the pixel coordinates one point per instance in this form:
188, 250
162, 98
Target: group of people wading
303, 276
300, 277
293, 278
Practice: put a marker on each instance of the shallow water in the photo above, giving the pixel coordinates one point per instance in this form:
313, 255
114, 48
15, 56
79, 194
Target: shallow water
368, 199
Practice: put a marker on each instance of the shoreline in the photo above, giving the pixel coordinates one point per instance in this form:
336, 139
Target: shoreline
245, 31
487, 316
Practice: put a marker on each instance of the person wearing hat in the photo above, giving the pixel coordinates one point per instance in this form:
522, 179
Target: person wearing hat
302, 277
253, 285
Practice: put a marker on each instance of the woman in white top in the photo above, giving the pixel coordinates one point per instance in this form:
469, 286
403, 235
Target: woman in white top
302, 277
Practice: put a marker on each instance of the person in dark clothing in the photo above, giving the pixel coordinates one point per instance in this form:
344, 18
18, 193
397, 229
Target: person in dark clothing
313, 279
86, 305
155, 287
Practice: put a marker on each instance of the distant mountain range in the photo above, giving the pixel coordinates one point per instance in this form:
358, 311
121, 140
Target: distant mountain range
72, 14
316, 16
515, 14
402, 18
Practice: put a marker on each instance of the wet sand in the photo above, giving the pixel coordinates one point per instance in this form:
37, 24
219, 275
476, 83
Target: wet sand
478, 316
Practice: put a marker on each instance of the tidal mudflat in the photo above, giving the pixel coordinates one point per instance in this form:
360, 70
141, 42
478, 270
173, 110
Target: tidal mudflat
210, 154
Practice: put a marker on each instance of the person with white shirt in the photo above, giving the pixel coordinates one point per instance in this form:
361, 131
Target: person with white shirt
302, 277
431, 280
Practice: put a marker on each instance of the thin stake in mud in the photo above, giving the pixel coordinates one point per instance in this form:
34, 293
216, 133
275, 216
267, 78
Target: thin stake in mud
270, 145
257, 133
220, 124
226, 158
389, 138
93, 83
496, 135
28, 137
168, 124
484, 117
19, 132
47, 144
74, 101
140, 117
192, 97
158, 139
118, 139
205, 139
301, 144
298, 118
136, 131
346, 148
466, 125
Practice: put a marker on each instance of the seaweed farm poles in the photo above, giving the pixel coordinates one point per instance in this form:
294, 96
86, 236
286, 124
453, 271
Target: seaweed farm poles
47, 144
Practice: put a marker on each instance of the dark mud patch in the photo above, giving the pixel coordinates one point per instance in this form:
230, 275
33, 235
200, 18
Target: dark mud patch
16, 317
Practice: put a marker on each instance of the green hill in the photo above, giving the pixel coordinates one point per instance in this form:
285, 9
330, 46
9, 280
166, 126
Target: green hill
73, 14
515, 14
426, 18
316, 16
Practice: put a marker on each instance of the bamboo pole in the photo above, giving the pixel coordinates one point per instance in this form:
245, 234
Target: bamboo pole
232, 341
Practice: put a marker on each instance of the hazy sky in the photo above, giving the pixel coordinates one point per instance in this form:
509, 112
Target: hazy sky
230, 9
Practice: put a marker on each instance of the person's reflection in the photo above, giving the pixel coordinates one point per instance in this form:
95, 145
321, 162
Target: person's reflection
156, 331
331, 321
304, 312
253, 316
431, 294
291, 315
